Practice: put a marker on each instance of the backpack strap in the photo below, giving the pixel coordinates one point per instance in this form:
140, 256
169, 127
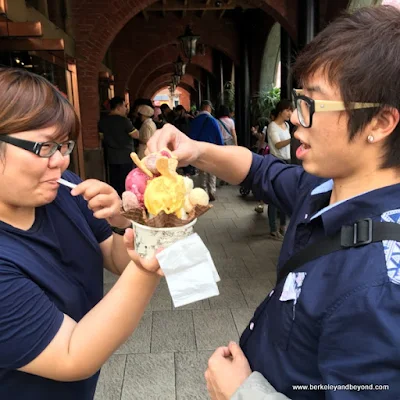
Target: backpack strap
225, 127
361, 233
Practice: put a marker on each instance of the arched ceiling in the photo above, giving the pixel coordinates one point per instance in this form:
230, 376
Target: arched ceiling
165, 55
167, 70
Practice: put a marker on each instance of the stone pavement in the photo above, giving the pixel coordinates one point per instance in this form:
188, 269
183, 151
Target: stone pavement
166, 357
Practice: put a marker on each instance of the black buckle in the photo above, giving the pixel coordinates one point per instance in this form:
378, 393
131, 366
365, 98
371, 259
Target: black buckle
358, 234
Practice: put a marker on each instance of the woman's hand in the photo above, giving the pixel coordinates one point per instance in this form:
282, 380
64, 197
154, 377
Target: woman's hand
151, 265
185, 149
103, 200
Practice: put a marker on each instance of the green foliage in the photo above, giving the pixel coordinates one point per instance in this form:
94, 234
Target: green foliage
264, 103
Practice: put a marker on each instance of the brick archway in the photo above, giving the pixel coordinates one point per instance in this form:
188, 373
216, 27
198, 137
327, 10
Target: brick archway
164, 55
162, 81
98, 23
193, 71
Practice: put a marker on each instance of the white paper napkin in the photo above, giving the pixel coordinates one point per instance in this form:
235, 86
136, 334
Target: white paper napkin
189, 270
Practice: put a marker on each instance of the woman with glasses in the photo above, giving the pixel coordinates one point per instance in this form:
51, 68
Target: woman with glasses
333, 318
56, 330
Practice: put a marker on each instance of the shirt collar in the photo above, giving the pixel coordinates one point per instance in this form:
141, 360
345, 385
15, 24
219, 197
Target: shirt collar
365, 205
204, 112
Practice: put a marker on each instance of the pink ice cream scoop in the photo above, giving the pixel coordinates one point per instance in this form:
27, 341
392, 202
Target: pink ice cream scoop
151, 159
136, 182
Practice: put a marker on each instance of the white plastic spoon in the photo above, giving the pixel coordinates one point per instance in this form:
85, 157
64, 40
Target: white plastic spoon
66, 183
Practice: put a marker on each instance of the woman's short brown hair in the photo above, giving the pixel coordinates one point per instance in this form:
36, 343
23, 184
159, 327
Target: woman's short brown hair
359, 53
29, 102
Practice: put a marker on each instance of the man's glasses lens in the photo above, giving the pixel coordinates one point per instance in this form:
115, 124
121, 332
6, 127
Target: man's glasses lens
303, 109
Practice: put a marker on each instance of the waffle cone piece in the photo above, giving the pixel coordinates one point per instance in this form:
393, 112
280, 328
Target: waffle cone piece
163, 220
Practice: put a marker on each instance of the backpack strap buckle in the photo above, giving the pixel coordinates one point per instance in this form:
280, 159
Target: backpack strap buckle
358, 234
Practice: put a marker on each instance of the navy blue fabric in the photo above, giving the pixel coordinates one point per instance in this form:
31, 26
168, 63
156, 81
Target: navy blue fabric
205, 128
54, 268
344, 327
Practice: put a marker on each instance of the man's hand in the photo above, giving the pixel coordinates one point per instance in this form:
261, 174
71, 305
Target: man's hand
185, 149
103, 200
227, 369
151, 265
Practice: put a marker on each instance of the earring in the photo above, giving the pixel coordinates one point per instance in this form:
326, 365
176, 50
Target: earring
370, 138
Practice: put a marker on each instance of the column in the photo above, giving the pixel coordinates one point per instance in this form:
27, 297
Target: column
199, 96
308, 21
286, 55
208, 87
221, 79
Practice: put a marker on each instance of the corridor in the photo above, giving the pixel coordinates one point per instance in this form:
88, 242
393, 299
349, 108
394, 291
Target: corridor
166, 357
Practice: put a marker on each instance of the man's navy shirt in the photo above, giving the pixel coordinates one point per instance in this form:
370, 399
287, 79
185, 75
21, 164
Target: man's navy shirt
54, 268
335, 320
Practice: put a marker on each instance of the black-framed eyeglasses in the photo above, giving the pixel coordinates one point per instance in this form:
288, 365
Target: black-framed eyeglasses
306, 106
41, 149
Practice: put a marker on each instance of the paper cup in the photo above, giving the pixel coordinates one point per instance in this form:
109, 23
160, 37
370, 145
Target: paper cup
148, 239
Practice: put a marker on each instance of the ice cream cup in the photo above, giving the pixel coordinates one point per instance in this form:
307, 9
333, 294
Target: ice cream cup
148, 239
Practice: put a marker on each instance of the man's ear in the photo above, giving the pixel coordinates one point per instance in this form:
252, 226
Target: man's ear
384, 123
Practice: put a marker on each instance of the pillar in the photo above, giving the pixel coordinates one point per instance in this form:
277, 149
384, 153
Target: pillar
308, 22
242, 95
286, 60
221, 79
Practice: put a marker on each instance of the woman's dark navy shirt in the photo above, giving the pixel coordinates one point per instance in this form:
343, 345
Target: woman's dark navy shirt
54, 268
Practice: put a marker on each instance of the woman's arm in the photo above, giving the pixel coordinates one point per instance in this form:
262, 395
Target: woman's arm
79, 349
234, 136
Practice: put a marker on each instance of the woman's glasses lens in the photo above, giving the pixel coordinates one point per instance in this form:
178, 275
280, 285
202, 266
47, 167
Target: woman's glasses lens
49, 148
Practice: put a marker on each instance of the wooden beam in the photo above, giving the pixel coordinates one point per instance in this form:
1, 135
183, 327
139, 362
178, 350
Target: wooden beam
3, 6
31, 44
51, 58
146, 15
20, 29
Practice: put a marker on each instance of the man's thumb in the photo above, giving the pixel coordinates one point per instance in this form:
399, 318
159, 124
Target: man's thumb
235, 350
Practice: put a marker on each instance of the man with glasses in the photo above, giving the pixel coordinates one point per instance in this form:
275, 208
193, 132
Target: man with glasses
333, 317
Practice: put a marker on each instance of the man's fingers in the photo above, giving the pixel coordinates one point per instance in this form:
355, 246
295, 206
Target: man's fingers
235, 350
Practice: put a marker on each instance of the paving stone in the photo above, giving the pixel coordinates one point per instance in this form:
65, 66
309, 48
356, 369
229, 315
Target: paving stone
222, 237
242, 317
198, 305
214, 328
224, 224
237, 249
231, 268
150, 377
230, 296
109, 386
107, 287
172, 331
109, 277
139, 341
216, 249
161, 299
190, 381
255, 290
